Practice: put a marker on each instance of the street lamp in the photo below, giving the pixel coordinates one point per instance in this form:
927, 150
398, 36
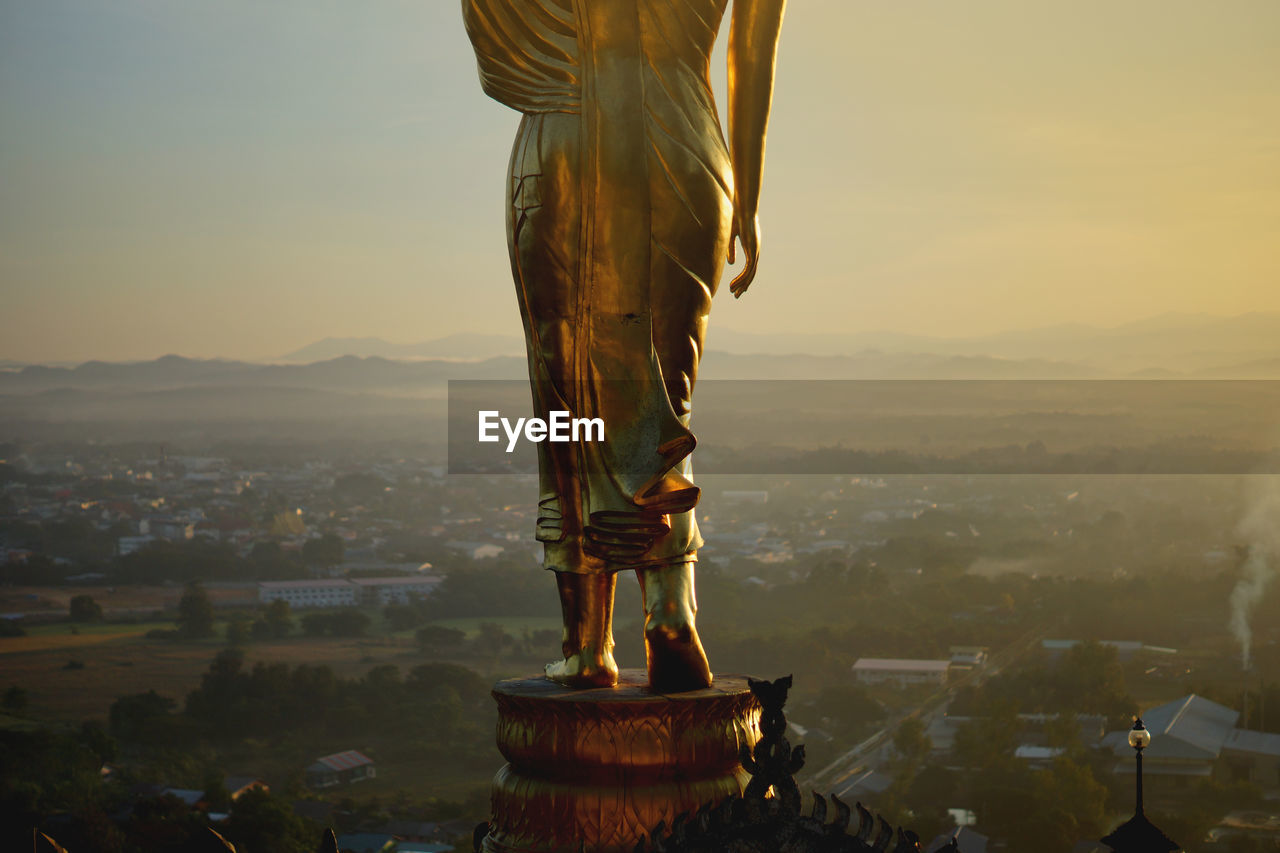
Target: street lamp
1137, 834
1139, 739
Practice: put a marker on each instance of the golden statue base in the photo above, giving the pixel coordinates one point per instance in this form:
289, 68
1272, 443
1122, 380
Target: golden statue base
596, 770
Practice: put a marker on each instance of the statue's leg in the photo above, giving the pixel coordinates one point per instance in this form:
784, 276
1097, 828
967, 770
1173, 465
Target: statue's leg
672, 648
586, 603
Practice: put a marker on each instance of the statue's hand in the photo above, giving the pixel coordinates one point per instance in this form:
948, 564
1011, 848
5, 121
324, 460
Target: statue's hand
750, 237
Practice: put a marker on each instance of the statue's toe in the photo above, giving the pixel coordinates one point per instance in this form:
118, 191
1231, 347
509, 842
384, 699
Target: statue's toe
581, 671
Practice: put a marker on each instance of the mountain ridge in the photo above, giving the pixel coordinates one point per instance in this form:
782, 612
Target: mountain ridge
1183, 341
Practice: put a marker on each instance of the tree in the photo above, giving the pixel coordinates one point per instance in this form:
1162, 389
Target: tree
988, 742
327, 550
238, 632
279, 618
489, 591
345, 622
14, 701
288, 524
1091, 675
216, 796
134, 718
911, 742
261, 822
93, 735
85, 609
1062, 731
935, 785
402, 617
1072, 787
848, 710
221, 700
1050, 809
195, 613
349, 622
491, 638
315, 624
425, 679
267, 560
432, 638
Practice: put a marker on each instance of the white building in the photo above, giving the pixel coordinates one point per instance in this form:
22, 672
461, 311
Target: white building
131, 544
384, 591
899, 671
310, 593
1125, 649
968, 656
341, 592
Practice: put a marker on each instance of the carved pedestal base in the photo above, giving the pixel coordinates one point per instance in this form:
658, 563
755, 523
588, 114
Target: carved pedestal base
601, 767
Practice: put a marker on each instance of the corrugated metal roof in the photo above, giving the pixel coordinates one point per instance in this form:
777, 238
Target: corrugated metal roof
1031, 752
1186, 729
318, 584
1259, 743
896, 665
190, 796
1118, 645
344, 760
1201, 725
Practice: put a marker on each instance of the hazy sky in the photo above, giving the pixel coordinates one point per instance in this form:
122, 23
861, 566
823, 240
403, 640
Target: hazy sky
239, 177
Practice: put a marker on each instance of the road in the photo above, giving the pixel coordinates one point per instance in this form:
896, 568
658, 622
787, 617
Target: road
844, 773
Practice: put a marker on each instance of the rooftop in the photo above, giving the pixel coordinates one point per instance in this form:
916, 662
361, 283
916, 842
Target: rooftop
900, 665
1185, 729
344, 760
1260, 743
398, 581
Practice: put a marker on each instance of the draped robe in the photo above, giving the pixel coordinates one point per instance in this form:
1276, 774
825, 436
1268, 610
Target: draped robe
619, 207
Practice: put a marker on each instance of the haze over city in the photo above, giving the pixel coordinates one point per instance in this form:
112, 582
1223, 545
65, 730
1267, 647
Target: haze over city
987, 460
241, 179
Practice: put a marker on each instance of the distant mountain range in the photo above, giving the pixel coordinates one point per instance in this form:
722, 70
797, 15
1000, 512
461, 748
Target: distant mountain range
428, 378
459, 346
360, 398
172, 371
1180, 343
369, 381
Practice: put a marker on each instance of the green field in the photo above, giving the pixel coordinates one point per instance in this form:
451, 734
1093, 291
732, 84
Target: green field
118, 659
95, 629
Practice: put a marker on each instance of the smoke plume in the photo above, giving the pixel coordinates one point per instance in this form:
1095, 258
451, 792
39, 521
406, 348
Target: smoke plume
1261, 528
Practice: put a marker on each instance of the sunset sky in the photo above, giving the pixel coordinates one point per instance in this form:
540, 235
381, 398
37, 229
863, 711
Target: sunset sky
239, 178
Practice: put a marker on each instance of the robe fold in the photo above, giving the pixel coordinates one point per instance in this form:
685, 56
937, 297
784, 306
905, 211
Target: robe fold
619, 207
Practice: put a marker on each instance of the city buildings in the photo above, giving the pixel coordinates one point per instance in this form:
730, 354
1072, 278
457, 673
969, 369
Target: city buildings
901, 672
342, 592
1195, 738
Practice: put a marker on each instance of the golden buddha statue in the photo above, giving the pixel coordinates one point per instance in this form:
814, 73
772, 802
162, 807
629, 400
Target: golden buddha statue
624, 202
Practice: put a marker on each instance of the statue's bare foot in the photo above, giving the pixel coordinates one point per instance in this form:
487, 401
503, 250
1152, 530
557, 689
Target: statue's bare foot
676, 660
585, 670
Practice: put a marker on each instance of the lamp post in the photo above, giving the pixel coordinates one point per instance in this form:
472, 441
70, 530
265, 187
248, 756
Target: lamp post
1137, 834
1139, 739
